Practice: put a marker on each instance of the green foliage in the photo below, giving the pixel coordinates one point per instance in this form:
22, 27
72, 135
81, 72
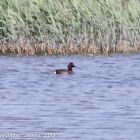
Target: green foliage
104, 21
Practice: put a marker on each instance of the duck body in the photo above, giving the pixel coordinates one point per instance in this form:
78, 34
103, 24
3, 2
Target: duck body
64, 71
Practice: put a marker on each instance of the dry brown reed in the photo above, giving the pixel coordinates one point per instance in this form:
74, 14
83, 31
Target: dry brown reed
28, 47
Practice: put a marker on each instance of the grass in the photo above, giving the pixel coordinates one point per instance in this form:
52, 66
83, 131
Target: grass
70, 26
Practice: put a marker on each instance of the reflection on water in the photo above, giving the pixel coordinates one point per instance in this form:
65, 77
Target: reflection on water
100, 101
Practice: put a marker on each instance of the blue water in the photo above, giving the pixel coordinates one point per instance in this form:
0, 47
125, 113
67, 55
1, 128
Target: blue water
101, 101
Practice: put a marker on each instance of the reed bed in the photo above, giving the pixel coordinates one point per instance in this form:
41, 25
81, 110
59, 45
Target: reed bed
69, 26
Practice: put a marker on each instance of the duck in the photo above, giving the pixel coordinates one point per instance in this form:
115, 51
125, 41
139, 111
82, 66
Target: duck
64, 71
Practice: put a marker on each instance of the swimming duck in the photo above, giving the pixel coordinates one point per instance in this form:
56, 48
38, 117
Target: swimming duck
63, 71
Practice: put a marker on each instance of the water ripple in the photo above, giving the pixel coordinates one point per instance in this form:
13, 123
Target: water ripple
100, 101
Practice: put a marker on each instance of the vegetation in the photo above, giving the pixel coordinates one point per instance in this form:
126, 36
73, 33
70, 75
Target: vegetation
69, 26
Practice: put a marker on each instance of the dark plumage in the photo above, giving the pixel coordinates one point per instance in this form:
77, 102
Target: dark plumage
63, 71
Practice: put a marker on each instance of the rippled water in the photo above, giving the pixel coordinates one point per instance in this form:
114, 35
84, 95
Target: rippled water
100, 101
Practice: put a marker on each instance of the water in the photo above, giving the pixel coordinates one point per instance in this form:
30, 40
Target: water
101, 101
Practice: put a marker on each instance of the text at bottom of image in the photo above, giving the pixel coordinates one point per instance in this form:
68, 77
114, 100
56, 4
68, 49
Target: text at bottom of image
30, 134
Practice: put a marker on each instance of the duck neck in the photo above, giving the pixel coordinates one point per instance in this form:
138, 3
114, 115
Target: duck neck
69, 68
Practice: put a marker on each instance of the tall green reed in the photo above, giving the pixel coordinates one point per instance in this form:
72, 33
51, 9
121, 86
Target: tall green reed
75, 24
